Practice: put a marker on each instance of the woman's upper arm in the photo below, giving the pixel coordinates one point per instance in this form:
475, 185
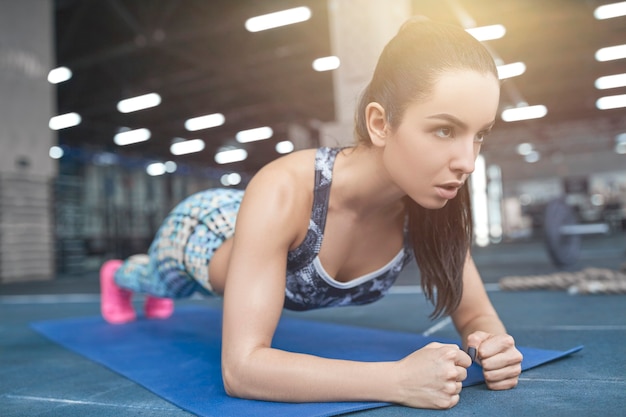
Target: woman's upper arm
267, 225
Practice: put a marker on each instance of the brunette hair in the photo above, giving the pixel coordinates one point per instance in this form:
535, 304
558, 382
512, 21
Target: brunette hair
406, 72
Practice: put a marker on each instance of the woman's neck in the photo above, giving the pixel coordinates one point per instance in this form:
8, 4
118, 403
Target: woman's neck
362, 185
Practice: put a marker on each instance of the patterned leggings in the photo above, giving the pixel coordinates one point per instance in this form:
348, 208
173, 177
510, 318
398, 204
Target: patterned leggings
177, 263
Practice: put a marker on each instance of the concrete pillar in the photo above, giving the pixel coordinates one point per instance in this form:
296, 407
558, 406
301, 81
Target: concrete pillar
26, 170
359, 30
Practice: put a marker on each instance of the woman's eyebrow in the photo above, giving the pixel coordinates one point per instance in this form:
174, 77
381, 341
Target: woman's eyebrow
456, 121
450, 119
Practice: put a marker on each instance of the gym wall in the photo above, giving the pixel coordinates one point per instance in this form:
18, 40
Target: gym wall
26, 170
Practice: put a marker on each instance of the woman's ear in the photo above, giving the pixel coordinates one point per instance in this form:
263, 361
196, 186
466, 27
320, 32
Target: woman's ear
376, 123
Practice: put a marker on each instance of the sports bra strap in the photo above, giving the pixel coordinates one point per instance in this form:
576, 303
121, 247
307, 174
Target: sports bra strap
324, 162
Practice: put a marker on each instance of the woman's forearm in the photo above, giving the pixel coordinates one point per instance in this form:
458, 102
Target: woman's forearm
275, 375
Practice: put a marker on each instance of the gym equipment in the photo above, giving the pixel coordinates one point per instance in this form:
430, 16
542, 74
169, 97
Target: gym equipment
587, 281
563, 234
179, 358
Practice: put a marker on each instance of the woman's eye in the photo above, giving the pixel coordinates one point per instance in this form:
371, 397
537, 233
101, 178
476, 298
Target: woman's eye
444, 132
480, 137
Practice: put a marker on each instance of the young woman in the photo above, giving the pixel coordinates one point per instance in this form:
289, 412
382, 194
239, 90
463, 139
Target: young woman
332, 227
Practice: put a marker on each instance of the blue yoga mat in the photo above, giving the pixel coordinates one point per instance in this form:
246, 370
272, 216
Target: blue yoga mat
179, 358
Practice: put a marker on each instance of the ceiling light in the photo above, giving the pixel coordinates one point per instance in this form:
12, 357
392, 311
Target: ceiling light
252, 135
156, 169
611, 53
524, 113
128, 137
608, 11
205, 122
187, 146
611, 81
326, 63
511, 70
63, 121
229, 155
532, 157
170, 167
284, 147
611, 102
524, 148
230, 179
58, 75
277, 19
487, 33
142, 102
56, 152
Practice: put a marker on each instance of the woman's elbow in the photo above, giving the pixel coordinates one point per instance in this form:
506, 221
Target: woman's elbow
234, 380
230, 380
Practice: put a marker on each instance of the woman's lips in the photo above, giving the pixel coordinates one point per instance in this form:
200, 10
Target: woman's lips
448, 191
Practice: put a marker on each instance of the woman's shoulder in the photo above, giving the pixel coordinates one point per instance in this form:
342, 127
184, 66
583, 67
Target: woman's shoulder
283, 189
288, 178
297, 159
292, 169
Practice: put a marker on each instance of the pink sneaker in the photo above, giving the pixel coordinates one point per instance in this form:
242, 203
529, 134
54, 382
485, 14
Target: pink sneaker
158, 308
115, 302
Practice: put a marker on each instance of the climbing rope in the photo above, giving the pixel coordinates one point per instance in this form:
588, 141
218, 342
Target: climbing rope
586, 281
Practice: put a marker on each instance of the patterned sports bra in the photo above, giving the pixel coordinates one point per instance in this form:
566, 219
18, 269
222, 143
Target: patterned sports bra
309, 286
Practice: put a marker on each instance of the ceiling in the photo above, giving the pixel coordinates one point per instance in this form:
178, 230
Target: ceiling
198, 56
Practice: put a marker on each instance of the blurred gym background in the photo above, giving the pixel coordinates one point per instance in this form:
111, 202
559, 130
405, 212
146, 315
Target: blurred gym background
112, 111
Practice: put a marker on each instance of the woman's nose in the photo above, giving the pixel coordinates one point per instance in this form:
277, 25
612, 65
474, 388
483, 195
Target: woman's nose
464, 157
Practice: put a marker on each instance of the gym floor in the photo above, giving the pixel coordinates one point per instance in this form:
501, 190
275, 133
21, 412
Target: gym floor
40, 378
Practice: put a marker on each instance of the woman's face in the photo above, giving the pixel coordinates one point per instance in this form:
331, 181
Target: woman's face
433, 150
